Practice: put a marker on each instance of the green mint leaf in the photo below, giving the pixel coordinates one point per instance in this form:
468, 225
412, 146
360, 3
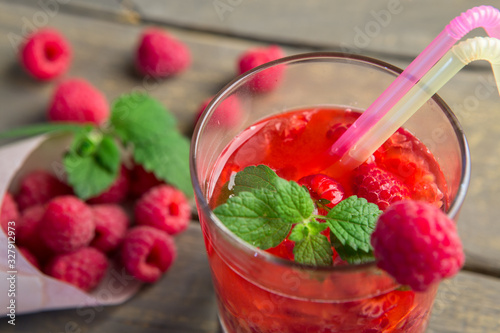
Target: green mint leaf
264, 217
349, 254
145, 124
313, 250
301, 231
92, 163
252, 217
138, 116
352, 221
44, 128
255, 177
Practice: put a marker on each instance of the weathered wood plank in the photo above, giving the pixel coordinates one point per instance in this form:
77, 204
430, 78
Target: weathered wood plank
402, 27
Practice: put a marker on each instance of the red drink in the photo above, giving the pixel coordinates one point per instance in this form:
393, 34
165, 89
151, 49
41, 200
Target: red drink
262, 292
290, 143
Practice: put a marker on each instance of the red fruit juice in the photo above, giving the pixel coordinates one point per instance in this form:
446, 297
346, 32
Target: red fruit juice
290, 143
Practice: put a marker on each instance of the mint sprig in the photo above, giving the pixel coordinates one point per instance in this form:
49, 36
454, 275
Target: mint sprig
138, 123
144, 124
263, 208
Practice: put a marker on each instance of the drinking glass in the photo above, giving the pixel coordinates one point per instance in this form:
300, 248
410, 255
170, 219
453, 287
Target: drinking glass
258, 292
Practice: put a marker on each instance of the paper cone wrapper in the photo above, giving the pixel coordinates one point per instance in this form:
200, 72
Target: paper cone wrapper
24, 285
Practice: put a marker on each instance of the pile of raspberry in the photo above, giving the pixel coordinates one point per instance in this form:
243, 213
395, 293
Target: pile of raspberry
75, 241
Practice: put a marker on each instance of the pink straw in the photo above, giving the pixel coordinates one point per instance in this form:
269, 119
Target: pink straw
483, 16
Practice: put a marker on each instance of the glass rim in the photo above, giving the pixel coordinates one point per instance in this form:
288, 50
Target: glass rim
226, 91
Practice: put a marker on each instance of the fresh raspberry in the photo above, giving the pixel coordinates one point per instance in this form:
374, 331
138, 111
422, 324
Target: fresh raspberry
46, 54
228, 114
161, 55
38, 187
9, 212
268, 79
141, 180
28, 232
67, 224
323, 187
76, 100
111, 223
378, 186
84, 268
163, 207
116, 192
147, 253
29, 256
417, 244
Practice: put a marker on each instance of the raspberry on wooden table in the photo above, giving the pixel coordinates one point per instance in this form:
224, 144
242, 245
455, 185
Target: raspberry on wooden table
147, 253
417, 243
161, 55
84, 268
67, 224
268, 79
45, 54
8, 212
163, 207
38, 187
111, 223
76, 100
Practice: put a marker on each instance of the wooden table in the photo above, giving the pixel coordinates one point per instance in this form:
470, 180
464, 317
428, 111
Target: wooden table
104, 33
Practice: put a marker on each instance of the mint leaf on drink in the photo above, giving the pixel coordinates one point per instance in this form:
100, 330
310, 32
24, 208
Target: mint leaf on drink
252, 217
263, 208
313, 250
349, 254
311, 247
150, 130
92, 162
352, 222
264, 216
255, 177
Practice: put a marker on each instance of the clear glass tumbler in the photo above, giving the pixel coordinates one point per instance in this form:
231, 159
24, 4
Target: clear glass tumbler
258, 292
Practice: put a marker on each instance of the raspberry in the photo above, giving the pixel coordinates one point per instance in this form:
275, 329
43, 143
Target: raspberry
67, 224
161, 55
28, 232
111, 223
38, 187
116, 192
76, 100
336, 131
417, 244
8, 212
268, 79
147, 253
29, 256
378, 186
323, 187
84, 268
163, 207
46, 54
142, 181
228, 114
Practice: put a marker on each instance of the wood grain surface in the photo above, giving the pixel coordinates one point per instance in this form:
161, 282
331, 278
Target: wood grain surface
104, 35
